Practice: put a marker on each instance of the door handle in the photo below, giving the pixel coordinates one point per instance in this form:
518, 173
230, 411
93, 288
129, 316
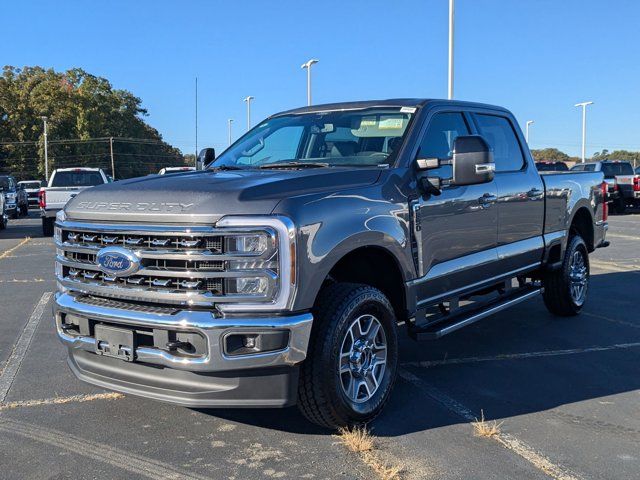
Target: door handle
535, 193
487, 199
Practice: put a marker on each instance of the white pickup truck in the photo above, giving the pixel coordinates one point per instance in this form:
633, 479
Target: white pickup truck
64, 184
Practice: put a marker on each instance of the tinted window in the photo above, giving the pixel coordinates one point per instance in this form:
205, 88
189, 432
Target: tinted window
4, 183
30, 185
437, 142
577, 168
502, 139
590, 167
611, 170
77, 179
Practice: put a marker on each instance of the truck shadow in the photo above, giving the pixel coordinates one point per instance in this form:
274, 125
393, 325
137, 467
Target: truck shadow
518, 362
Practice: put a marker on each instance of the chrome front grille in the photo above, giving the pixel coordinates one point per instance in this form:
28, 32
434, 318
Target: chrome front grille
177, 266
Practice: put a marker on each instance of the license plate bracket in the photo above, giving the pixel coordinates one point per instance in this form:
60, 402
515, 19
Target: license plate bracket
115, 342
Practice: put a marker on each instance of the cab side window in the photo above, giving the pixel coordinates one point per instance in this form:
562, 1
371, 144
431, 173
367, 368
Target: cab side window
438, 140
499, 133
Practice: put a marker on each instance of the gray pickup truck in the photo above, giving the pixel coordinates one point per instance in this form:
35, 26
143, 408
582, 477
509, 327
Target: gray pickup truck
285, 271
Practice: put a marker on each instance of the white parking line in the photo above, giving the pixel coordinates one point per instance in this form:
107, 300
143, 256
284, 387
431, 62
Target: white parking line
517, 356
125, 460
14, 361
509, 441
60, 400
612, 320
6, 253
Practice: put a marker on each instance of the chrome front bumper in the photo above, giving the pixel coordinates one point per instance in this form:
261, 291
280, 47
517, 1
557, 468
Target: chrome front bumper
212, 328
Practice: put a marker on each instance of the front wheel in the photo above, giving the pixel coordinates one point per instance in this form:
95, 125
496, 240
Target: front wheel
565, 290
352, 357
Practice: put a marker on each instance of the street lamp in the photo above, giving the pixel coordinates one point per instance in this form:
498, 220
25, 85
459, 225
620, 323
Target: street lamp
584, 125
307, 65
248, 100
451, 18
526, 135
46, 151
229, 122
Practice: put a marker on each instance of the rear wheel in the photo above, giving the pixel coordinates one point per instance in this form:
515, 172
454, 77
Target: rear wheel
565, 289
47, 227
3, 221
352, 357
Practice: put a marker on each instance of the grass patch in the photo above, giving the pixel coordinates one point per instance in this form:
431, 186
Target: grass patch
359, 440
483, 428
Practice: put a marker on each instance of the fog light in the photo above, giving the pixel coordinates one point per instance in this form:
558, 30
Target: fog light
249, 342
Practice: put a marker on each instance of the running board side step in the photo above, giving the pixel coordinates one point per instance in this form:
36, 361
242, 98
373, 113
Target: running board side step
456, 322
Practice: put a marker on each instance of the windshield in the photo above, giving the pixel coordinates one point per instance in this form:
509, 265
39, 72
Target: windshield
367, 137
611, 170
4, 183
77, 179
30, 185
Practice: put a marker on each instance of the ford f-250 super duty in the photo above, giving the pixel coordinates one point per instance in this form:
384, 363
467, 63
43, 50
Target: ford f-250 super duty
284, 272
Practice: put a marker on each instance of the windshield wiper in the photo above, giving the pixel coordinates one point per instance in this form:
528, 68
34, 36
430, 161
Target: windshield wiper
227, 167
294, 165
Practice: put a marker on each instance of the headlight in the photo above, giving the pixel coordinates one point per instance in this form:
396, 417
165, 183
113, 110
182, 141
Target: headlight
264, 267
252, 243
61, 216
11, 196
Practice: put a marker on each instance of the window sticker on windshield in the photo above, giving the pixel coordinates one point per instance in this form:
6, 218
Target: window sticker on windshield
390, 123
368, 122
408, 110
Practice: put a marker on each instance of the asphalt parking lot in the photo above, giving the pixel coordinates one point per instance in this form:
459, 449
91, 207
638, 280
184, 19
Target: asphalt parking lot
566, 392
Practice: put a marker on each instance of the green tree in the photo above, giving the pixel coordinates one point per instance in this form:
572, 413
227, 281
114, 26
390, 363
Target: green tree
78, 106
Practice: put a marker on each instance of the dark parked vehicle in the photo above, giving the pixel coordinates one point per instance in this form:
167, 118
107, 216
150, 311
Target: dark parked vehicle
32, 187
285, 271
545, 166
624, 184
16, 198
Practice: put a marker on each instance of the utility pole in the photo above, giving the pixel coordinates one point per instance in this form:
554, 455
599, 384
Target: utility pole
196, 160
46, 151
526, 135
229, 122
307, 65
584, 125
451, 25
248, 100
113, 164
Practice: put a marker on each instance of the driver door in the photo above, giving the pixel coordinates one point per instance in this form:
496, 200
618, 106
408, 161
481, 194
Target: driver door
456, 232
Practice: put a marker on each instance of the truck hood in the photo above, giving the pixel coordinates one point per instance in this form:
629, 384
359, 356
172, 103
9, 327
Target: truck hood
206, 196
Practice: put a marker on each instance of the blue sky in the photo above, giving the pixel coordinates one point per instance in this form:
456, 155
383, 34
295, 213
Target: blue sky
535, 57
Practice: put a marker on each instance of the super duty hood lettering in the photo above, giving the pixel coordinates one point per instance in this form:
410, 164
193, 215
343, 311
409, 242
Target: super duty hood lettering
135, 207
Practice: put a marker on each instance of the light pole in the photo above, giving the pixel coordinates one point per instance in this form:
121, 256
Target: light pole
248, 100
584, 125
451, 25
307, 65
229, 122
526, 135
46, 151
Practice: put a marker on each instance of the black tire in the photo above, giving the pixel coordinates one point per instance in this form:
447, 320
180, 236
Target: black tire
47, 227
321, 396
3, 222
557, 294
15, 213
619, 206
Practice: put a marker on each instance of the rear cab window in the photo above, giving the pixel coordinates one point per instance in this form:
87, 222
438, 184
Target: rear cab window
77, 179
614, 169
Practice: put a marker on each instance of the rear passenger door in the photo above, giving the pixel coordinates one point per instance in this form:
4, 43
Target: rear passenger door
520, 204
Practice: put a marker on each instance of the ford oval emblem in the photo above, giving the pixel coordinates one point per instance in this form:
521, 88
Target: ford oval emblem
117, 261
